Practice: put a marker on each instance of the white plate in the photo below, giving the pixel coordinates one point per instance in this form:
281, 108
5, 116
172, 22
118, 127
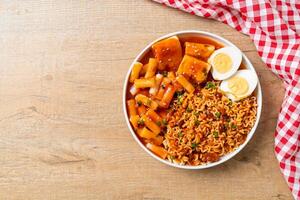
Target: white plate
247, 64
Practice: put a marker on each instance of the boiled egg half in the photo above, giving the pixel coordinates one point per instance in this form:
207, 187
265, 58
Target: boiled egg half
240, 85
225, 62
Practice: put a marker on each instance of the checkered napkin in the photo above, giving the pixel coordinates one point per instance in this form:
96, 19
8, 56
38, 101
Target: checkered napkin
274, 27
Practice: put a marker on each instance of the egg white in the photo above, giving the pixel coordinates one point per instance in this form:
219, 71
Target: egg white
236, 58
251, 79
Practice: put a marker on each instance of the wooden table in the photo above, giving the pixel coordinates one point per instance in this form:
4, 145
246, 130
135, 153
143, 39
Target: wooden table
63, 133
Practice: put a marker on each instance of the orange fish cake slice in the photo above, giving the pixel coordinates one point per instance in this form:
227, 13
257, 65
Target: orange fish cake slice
168, 53
194, 68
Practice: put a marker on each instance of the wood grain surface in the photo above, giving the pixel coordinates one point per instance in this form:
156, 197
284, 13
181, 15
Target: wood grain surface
62, 128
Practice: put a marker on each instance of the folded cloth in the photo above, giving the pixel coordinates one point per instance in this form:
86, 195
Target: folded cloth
274, 27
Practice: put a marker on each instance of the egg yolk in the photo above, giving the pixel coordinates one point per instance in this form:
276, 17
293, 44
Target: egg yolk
222, 63
238, 86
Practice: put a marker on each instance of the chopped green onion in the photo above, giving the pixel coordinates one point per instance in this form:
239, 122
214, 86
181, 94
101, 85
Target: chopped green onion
179, 99
218, 114
149, 102
210, 85
216, 134
196, 122
233, 126
194, 145
164, 122
180, 134
158, 123
196, 113
188, 109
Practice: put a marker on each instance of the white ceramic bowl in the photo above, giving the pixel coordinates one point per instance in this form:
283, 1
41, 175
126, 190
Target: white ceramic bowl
247, 64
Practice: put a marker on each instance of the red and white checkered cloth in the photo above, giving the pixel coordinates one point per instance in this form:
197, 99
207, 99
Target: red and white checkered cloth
274, 27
